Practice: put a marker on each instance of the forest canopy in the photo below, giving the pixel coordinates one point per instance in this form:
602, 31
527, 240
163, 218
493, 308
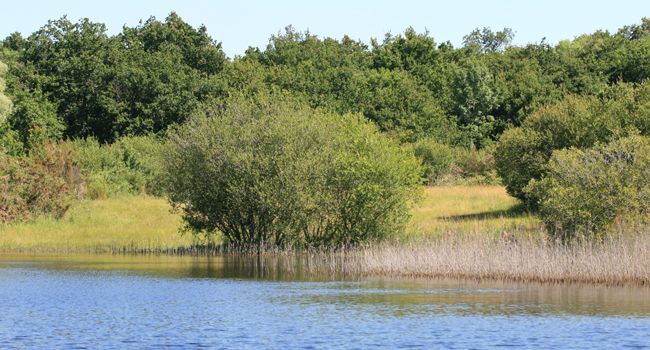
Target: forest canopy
75, 80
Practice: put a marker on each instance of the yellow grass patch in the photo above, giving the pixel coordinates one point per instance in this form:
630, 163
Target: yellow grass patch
129, 223
484, 210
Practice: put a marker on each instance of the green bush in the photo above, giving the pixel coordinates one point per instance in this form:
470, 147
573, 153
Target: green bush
476, 166
35, 120
132, 165
443, 164
585, 191
577, 121
436, 158
42, 184
280, 175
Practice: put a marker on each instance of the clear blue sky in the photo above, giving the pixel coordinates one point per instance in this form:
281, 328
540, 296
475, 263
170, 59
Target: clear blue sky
239, 24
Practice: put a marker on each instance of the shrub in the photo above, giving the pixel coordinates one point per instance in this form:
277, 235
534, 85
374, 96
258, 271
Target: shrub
436, 158
42, 184
280, 174
132, 165
576, 121
585, 191
34, 120
5, 103
476, 166
443, 164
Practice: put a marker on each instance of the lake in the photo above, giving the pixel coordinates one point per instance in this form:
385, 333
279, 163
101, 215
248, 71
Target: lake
134, 302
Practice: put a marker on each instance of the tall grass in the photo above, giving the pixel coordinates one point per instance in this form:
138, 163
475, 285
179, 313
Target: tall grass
624, 260
619, 261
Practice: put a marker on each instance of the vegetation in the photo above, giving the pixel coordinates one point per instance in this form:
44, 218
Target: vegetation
576, 121
444, 164
122, 224
280, 174
585, 192
5, 102
42, 184
622, 260
141, 223
76, 100
131, 165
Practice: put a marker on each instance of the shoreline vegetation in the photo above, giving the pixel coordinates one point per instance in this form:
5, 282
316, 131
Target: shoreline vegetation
321, 147
457, 232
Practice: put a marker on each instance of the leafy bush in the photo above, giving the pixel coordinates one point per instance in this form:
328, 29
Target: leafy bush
35, 120
444, 164
132, 165
585, 191
280, 174
579, 122
436, 158
477, 166
42, 184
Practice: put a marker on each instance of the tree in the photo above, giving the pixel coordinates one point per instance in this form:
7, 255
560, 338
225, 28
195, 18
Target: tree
267, 174
583, 192
35, 120
135, 83
486, 40
5, 103
576, 121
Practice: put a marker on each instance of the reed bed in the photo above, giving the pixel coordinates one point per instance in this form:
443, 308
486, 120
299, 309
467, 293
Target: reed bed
616, 261
624, 260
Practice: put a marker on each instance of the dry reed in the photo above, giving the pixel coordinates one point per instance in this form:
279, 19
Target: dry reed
613, 262
616, 261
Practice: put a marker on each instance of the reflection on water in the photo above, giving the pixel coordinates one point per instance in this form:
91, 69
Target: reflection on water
239, 302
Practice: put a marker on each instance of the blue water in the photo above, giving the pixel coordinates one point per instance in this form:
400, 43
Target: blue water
131, 305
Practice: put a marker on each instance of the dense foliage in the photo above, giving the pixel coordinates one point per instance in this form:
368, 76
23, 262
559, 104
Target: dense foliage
281, 174
583, 193
5, 102
132, 165
158, 73
575, 121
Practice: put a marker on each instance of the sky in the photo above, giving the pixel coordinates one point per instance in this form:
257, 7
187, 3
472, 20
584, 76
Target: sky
240, 24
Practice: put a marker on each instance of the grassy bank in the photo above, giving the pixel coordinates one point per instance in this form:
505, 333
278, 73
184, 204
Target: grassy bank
474, 210
124, 224
141, 223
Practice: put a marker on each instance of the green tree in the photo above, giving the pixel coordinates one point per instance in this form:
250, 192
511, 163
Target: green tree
486, 40
35, 120
5, 103
134, 83
281, 174
575, 121
583, 192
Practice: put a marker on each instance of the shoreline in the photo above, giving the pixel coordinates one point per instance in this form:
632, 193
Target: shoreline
459, 232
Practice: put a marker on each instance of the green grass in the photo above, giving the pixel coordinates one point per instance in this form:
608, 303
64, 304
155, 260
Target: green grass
141, 223
482, 210
131, 223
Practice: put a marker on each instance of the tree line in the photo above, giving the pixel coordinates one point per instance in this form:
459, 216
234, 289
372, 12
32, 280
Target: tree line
71, 79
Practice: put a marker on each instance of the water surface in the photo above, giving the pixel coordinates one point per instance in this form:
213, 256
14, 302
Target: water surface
117, 302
